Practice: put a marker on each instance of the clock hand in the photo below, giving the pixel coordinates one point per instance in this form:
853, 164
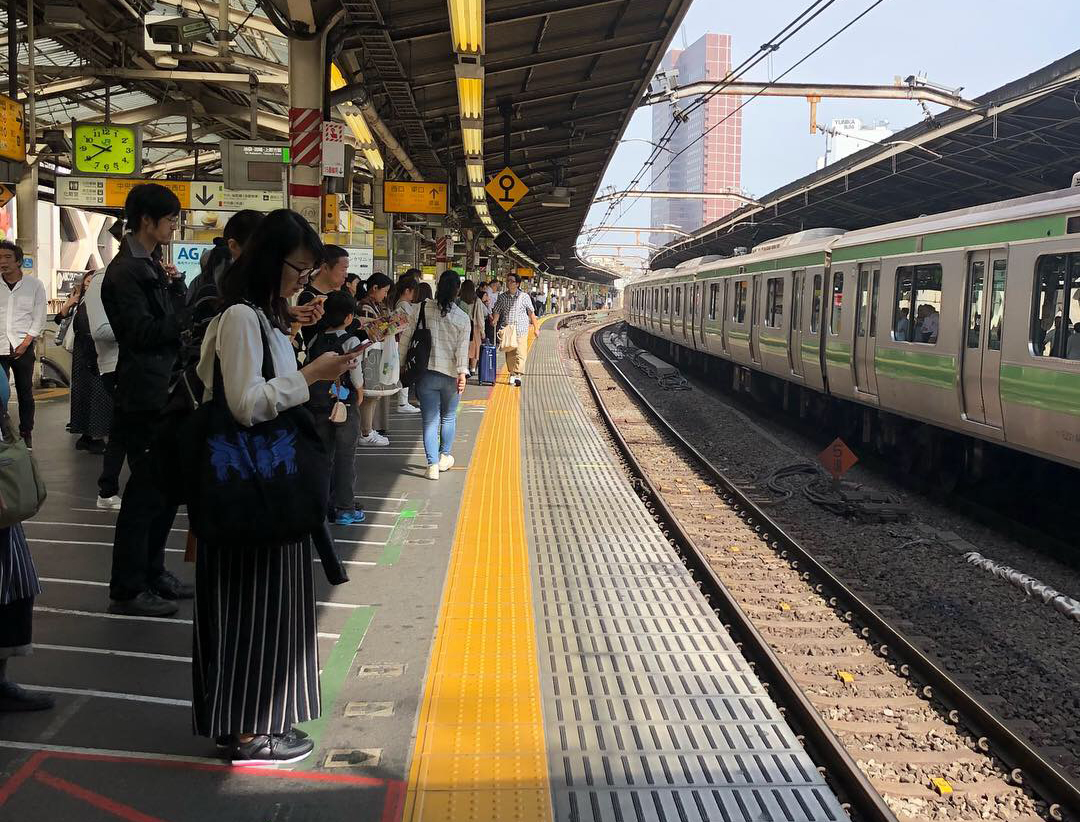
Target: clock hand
99, 151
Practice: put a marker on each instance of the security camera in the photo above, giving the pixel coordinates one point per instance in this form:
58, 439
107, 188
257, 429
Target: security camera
179, 31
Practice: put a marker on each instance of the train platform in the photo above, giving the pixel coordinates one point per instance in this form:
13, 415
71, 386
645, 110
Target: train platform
517, 641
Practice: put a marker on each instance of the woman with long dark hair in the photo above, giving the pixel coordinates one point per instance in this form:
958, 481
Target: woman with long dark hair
91, 405
403, 299
256, 662
374, 414
440, 387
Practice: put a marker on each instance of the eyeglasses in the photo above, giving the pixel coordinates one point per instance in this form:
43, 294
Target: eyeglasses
303, 273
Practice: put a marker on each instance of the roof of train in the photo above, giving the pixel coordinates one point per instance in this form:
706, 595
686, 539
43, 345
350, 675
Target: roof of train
812, 252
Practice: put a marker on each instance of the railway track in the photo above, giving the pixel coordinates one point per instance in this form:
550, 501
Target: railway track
896, 736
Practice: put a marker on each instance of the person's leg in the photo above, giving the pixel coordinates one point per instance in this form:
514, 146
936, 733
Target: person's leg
325, 430
24, 386
512, 361
344, 472
448, 398
522, 352
427, 392
367, 414
113, 460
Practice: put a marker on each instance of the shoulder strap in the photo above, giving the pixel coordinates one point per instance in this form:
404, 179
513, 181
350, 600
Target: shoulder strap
422, 322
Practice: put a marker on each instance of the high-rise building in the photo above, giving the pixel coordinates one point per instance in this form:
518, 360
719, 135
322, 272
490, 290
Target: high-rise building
710, 164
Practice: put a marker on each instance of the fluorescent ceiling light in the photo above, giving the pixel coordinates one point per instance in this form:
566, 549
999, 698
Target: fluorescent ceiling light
475, 171
479, 195
470, 85
473, 139
467, 25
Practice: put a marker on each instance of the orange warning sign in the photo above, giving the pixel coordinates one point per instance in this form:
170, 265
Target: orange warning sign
837, 458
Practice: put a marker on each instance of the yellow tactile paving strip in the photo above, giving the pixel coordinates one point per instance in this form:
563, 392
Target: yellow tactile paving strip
480, 753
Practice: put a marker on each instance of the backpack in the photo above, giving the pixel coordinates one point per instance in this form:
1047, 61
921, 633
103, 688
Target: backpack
320, 395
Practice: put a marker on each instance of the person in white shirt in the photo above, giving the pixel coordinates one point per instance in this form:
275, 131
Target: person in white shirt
108, 351
439, 388
22, 317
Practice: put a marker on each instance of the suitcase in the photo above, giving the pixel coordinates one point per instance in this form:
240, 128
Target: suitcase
488, 364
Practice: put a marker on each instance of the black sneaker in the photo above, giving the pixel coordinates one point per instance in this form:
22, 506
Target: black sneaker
228, 740
27, 438
168, 586
13, 698
273, 749
145, 604
90, 444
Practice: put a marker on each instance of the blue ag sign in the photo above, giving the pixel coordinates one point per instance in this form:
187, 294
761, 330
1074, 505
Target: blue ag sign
186, 257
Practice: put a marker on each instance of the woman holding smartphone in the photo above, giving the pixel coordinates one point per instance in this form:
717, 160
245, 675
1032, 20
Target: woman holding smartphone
256, 664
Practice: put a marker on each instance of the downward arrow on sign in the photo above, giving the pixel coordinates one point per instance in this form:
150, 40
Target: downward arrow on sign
205, 196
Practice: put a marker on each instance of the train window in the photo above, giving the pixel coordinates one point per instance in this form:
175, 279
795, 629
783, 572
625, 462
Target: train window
667, 301
1055, 320
739, 314
997, 305
774, 302
837, 302
714, 290
917, 308
815, 306
876, 295
976, 283
678, 301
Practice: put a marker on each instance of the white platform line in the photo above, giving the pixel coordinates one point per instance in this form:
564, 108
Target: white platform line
156, 700
172, 530
69, 749
182, 514
46, 609
75, 649
184, 550
94, 584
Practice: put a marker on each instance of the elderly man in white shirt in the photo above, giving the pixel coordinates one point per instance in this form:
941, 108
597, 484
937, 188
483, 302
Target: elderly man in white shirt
22, 317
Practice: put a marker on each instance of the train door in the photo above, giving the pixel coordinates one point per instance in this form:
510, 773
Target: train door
979, 373
755, 326
798, 282
866, 299
699, 316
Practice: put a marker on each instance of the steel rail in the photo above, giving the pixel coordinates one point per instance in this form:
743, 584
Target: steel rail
825, 748
1061, 792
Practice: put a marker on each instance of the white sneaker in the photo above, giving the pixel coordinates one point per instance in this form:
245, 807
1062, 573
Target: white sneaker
374, 439
109, 503
515, 380
433, 471
446, 462
408, 408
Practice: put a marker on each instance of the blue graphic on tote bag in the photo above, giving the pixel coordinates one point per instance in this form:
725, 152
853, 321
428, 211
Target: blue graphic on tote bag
249, 455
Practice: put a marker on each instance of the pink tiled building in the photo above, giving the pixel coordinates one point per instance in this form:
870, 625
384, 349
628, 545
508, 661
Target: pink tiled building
712, 164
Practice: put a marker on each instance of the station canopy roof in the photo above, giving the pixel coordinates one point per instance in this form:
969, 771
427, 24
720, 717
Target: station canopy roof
565, 74
1024, 138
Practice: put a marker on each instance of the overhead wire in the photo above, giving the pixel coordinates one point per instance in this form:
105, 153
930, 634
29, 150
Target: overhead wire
750, 62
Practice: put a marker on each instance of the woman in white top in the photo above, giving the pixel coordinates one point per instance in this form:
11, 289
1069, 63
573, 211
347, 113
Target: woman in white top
256, 662
441, 385
403, 298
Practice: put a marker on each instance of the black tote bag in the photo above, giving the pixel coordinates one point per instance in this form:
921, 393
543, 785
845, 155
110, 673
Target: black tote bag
267, 484
419, 351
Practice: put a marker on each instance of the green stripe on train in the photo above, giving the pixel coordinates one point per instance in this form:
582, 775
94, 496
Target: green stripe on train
738, 335
937, 370
773, 344
837, 353
1039, 387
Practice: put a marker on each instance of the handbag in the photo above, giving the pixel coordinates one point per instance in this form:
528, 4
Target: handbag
508, 338
267, 484
22, 491
339, 413
65, 336
419, 353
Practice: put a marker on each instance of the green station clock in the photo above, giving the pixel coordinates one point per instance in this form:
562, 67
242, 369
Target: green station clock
106, 150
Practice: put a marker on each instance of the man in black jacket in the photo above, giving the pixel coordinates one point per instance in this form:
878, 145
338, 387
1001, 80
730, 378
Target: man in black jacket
145, 303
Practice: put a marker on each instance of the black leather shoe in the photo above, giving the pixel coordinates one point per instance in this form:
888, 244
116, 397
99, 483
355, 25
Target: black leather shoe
90, 444
228, 740
13, 698
27, 438
275, 749
145, 604
168, 586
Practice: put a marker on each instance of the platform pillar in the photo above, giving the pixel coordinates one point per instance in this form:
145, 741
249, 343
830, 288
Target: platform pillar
26, 216
307, 78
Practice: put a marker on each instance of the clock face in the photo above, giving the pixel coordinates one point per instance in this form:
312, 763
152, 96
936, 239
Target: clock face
106, 150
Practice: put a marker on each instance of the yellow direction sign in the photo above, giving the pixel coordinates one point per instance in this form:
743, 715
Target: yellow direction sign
414, 198
506, 188
6, 193
12, 143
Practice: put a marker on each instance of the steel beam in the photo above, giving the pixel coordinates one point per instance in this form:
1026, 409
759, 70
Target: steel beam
838, 90
425, 26
164, 75
678, 195
236, 16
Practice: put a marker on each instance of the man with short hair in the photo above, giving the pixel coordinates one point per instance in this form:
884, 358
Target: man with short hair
22, 317
516, 308
329, 278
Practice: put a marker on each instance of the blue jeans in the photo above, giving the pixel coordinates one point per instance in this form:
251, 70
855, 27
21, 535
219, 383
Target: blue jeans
438, 409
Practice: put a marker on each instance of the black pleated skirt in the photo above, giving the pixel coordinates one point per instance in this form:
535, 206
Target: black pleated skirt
256, 657
16, 624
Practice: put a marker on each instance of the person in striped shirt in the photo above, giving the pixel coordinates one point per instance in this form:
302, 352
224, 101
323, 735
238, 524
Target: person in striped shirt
515, 308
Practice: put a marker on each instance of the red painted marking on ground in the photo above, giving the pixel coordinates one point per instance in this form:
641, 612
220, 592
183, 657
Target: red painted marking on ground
117, 809
213, 767
394, 806
13, 784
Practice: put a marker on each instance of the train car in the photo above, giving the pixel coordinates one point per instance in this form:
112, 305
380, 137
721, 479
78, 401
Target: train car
965, 322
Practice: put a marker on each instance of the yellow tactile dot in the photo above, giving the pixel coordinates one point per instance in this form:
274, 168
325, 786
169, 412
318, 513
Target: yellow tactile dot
480, 754
482, 806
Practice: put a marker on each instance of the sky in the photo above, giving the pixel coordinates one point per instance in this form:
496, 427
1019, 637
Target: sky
976, 44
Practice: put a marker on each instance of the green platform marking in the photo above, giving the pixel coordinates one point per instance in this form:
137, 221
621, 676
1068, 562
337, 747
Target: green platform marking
392, 550
334, 673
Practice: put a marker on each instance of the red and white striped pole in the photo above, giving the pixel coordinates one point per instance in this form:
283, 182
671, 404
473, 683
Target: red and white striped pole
307, 70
